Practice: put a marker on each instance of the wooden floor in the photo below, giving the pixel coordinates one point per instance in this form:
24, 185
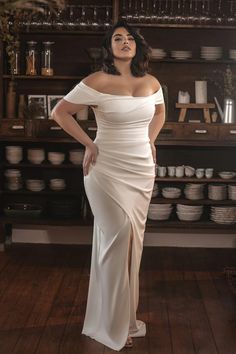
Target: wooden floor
184, 299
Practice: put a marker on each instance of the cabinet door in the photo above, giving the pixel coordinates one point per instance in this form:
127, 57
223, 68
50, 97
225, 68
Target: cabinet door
195, 131
227, 132
12, 127
171, 131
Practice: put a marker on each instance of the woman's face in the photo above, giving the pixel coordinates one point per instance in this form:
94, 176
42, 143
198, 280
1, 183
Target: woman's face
123, 45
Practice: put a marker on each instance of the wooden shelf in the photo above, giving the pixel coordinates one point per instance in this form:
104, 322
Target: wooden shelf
188, 226
44, 192
194, 179
40, 77
45, 221
192, 61
162, 200
42, 165
182, 26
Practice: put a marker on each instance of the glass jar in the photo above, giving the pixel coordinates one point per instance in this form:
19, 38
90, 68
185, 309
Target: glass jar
15, 65
31, 58
47, 59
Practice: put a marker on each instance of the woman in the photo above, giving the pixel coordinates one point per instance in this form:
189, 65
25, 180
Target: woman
119, 172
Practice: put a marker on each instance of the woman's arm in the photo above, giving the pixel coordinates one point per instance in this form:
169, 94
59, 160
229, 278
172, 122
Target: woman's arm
62, 114
155, 126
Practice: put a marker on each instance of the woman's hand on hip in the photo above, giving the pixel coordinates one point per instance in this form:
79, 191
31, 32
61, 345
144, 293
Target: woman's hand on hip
90, 157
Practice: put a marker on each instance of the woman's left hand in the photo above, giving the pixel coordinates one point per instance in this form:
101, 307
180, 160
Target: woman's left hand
154, 153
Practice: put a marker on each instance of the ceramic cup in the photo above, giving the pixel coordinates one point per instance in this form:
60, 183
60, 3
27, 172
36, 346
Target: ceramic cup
209, 172
200, 172
171, 171
161, 171
179, 171
189, 171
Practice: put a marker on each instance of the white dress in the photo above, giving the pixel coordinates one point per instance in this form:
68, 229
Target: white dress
119, 188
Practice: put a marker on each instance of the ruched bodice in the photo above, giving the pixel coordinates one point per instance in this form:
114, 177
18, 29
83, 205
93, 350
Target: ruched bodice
119, 188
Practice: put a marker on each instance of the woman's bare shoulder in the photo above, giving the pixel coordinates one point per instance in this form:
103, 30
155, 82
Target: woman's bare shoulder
152, 80
96, 80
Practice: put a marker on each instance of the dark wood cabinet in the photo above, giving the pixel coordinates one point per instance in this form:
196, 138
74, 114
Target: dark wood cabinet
196, 144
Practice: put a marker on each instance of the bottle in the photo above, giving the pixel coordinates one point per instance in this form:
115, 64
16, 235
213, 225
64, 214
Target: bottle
31, 58
47, 59
15, 67
11, 101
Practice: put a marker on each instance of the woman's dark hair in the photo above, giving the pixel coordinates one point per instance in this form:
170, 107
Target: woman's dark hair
139, 64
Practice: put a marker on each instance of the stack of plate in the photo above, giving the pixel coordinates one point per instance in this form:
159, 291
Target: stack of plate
211, 53
13, 180
159, 211
181, 54
36, 156
227, 174
56, 158
76, 156
194, 191
189, 212
35, 185
232, 54
57, 184
232, 191
158, 53
155, 190
223, 215
14, 154
171, 192
217, 191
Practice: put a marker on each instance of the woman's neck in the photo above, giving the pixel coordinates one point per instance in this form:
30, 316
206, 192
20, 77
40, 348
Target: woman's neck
123, 67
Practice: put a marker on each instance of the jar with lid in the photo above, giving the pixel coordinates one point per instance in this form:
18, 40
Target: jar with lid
31, 58
47, 59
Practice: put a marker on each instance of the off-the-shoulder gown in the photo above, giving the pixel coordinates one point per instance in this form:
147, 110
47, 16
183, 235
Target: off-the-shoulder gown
119, 188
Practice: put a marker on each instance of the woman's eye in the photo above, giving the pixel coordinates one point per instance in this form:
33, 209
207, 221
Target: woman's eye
131, 39
117, 39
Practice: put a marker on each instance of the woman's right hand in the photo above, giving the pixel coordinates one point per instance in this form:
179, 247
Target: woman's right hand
90, 157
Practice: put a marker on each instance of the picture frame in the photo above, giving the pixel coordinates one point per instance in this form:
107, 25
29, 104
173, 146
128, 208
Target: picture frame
39, 104
52, 100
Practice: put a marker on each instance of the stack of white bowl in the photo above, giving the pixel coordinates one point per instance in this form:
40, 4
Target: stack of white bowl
194, 191
217, 191
14, 154
159, 211
36, 155
57, 184
13, 179
211, 53
155, 190
181, 54
232, 54
158, 53
223, 215
56, 158
76, 156
171, 192
227, 174
35, 185
232, 191
189, 212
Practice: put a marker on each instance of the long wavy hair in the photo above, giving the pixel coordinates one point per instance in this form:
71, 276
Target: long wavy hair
139, 64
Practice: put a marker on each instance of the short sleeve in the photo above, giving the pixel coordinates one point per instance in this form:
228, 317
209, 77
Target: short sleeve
159, 98
82, 94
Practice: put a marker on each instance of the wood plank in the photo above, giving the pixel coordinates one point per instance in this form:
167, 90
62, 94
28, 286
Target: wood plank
203, 339
72, 339
159, 330
50, 341
180, 327
218, 319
